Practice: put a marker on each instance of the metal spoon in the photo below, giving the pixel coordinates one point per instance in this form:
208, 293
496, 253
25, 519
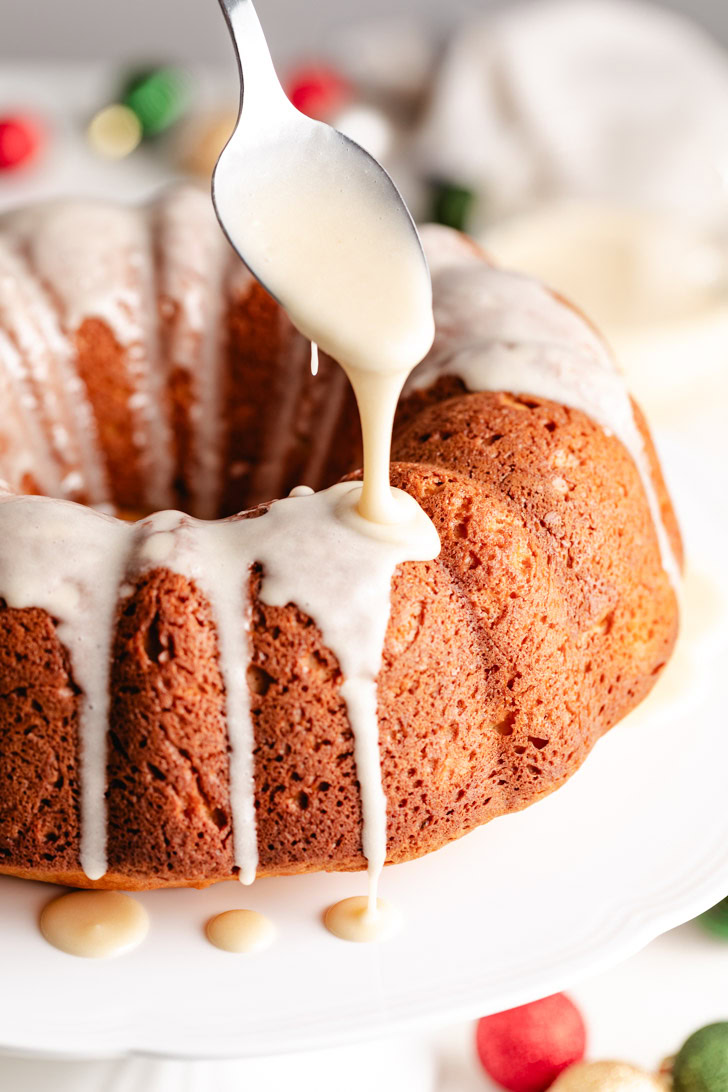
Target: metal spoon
274, 140
322, 226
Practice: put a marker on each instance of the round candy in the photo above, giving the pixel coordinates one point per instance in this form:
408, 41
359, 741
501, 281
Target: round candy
158, 97
701, 1064
318, 91
452, 205
20, 139
115, 131
524, 1049
607, 1077
715, 920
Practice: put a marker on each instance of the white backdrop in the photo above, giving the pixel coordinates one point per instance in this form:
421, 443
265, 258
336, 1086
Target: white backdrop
192, 29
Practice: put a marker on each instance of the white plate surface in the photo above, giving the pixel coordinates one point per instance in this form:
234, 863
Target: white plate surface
634, 844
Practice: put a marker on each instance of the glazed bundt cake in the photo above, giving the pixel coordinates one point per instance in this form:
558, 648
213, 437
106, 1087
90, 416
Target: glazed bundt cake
171, 709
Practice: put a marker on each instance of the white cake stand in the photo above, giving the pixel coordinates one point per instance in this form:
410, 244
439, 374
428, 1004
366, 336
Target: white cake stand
634, 844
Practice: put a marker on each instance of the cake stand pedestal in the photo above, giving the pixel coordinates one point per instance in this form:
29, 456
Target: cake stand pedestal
388, 1066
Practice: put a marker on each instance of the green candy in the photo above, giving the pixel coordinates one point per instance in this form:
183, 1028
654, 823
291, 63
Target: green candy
702, 1063
715, 920
452, 205
158, 96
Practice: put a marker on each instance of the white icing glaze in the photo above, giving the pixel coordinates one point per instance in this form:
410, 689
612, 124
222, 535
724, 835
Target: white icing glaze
70, 561
240, 931
94, 924
195, 259
214, 555
500, 331
52, 389
98, 262
26, 451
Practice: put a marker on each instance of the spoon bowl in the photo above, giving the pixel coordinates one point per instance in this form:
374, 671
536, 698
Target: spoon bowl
286, 189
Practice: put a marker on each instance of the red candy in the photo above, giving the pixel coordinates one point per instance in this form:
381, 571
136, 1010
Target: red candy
525, 1049
318, 91
19, 141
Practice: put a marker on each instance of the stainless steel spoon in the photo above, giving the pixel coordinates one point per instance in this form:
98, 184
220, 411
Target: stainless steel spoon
322, 226
275, 141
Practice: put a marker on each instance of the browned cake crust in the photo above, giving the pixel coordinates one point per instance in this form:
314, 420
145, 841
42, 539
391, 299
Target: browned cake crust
545, 619
101, 365
289, 427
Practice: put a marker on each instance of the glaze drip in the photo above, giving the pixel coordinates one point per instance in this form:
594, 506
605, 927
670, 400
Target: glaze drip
356, 919
69, 263
194, 265
85, 556
43, 368
295, 541
70, 561
500, 331
97, 261
27, 458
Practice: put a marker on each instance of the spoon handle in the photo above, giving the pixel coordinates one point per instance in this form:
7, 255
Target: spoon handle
260, 89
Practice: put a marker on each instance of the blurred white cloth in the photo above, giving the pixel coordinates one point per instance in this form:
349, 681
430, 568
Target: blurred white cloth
606, 100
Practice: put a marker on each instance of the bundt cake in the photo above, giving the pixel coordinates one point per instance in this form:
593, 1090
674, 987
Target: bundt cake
172, 711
